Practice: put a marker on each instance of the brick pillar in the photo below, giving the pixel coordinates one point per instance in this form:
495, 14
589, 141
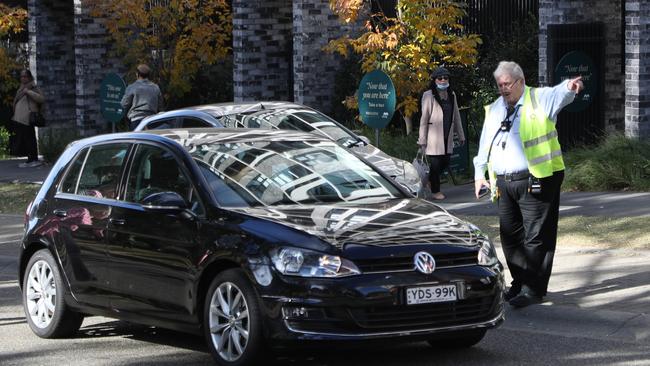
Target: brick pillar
637, 69
262, 48
92, 63
314, 25
51, 43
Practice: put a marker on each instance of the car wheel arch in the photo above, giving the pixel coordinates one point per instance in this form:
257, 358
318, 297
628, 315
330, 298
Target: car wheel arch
27, 254
207, 275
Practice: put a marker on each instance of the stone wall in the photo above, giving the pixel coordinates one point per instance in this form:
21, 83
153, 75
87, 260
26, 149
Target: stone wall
262, 48
51, 43
587, 11
637, 68
92, 63
69, 56
314, 25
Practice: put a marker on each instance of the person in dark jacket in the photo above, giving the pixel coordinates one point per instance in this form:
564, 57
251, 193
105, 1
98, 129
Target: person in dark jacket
142, 98
28, 99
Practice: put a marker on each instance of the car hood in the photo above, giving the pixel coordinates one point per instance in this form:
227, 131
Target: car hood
397, 169
392, 222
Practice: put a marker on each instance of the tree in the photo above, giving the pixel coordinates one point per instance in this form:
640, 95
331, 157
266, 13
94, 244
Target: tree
12, 22
177, 38
424, 35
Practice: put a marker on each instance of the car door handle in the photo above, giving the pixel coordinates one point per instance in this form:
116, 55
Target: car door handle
117, 221
60, 213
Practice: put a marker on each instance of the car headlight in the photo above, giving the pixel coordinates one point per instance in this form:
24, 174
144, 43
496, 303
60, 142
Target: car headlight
307, 263
487, 256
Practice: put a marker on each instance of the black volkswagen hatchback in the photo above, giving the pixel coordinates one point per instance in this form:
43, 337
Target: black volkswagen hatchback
252, 238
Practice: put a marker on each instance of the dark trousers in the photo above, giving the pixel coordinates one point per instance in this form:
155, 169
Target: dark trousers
528, 228
437, 164
22, 141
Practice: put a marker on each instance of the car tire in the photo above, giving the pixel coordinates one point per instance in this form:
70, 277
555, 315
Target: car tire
464, 339
43, 299
231, 312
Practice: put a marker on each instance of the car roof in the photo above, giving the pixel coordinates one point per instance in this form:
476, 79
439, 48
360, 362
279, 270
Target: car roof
218, 110
190, 136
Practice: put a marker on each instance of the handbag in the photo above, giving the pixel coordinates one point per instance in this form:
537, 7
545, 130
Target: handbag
421, 165
36, 118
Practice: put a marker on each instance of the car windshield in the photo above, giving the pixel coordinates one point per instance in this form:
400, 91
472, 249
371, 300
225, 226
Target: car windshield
257, 173
298, 119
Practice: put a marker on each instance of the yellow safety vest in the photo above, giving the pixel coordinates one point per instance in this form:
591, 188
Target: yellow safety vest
539, 138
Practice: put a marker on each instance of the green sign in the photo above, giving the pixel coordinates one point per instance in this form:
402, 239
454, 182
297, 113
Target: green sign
110, 93
572, 65
377, 99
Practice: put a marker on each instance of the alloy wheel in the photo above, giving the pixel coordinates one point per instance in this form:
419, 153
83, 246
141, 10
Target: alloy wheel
41, 294
229, 321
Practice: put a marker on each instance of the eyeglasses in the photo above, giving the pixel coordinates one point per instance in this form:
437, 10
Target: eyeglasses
507, 86
444, 77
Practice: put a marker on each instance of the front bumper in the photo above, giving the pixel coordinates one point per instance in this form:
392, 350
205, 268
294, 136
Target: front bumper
373, 306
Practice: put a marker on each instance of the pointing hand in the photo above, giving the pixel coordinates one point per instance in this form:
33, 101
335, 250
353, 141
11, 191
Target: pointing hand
576, 85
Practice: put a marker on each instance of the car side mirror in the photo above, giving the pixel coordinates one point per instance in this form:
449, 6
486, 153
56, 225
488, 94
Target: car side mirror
164, 202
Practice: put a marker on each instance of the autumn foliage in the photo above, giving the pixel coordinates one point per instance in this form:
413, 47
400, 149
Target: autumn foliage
424, 35
177, 38
12, 22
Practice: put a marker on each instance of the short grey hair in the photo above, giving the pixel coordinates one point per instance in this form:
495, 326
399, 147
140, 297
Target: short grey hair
509, 68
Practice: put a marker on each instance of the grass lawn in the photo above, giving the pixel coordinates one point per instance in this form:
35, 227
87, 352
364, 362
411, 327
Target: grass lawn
583, 231
14, 197
594, 232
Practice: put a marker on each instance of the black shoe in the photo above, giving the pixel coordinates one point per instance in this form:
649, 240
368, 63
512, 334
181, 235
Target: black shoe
524, 299
511, 293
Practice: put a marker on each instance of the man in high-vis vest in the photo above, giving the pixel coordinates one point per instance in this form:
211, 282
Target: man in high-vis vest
520, 151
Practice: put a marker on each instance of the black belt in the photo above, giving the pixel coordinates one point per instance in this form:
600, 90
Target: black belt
510, 177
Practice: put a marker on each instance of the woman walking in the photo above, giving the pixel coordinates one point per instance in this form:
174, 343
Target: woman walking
29, 98
439, 114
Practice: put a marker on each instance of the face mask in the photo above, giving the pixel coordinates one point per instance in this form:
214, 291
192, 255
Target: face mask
442, 86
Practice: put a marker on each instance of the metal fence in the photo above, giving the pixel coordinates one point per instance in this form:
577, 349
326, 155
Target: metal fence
490, 17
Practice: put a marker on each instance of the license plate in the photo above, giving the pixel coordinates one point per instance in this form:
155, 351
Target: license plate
429, 294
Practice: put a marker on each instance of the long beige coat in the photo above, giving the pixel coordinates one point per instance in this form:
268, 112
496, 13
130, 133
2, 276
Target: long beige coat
29, 98
431, 131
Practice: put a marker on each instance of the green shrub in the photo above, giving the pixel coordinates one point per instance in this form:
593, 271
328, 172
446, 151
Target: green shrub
4, 143
617, 163
53, 141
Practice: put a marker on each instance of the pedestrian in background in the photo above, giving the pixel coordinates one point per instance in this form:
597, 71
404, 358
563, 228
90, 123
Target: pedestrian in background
22, 141
520, 150
142, 98
439, 114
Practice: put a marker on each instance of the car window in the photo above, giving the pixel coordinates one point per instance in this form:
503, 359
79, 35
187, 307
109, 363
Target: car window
69, 183
101, 171
161, 124
231, 121
189, 122
155, 170
291, 119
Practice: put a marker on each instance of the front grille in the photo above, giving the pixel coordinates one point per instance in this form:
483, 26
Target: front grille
423, 316
393, 264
